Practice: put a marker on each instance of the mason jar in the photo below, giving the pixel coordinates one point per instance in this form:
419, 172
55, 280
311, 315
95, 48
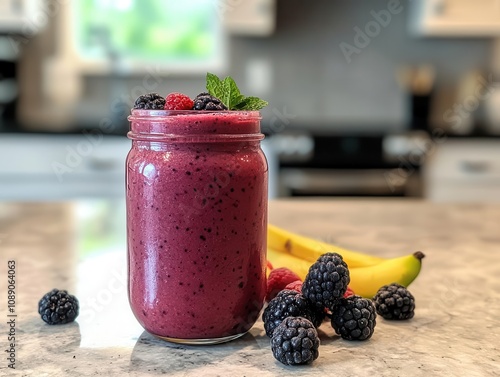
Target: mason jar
196, 188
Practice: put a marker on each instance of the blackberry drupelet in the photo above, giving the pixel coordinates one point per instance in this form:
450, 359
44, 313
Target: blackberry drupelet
58, 307
151, 101
290, 303
354, 318
394, 302
326, 281
295, 341
205, 101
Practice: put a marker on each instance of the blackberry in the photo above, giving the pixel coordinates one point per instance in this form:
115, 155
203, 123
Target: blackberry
151, 101
205, 101
290, 303
58, 307
295, 341
394, 302
326, 281
354, 318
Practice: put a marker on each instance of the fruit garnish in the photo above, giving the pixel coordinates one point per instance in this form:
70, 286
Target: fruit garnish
178, 101
278, 279
349, 292
205, 101
228, 93
295, 286
151, 101
270, 266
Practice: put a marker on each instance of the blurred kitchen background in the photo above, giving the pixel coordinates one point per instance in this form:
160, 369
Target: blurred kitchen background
375, 98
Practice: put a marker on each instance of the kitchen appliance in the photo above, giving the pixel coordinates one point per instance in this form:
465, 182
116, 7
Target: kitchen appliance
319, 164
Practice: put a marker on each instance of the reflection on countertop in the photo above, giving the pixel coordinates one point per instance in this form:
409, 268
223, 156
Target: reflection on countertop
81, 246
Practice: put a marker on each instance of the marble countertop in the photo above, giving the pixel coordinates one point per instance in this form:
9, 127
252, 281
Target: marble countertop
80, 246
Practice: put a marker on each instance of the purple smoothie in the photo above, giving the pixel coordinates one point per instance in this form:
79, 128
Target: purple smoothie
197, 220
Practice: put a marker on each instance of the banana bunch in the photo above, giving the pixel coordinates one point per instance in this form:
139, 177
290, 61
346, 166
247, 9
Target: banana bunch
368, 273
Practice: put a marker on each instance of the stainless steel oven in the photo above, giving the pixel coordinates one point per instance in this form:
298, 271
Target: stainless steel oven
348, 165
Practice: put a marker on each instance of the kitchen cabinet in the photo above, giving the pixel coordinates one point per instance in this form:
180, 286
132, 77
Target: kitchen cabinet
22, 16
464, 171
455, 18
248, 17
64, 167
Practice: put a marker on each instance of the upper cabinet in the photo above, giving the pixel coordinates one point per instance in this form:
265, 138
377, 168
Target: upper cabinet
22, 16
249, 17
456, 18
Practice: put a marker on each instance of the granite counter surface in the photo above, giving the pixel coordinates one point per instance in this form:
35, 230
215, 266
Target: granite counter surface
81, 247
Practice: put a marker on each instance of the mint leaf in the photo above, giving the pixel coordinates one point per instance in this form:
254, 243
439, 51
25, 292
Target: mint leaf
228, 92
232, 93
251, 104
215, 87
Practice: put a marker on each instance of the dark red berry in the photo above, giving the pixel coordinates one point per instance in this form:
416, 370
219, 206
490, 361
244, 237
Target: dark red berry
278, 279
178, 101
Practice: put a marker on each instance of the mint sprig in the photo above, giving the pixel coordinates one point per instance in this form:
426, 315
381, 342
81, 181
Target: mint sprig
228, 92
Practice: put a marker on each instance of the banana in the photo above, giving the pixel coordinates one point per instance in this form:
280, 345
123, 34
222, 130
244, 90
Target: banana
279, 259
366, 281
310, 249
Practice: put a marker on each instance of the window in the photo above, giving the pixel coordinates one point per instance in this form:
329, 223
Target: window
129, 35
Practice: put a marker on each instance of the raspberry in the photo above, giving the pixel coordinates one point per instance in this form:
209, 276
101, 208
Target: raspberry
278, 279
269, 266
349, 292
295, 286
178, 101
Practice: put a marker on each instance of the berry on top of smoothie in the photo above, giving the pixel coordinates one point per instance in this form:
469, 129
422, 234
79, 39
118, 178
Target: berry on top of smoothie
178, 101
205, 101
220, 95
151, 101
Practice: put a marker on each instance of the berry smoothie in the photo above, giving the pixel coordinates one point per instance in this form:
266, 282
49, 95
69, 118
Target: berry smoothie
197, 219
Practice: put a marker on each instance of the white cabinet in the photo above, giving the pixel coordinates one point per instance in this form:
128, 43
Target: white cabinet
62, 167
65, 167
22, 16
448, 18
464, 171
249, 17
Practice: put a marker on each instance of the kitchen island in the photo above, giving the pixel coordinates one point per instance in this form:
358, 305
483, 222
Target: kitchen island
81, 247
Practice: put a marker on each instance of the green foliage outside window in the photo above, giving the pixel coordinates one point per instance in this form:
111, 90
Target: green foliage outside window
147, 29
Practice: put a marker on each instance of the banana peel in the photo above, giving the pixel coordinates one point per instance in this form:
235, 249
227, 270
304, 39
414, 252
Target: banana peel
310, 249
297, 265
365, 281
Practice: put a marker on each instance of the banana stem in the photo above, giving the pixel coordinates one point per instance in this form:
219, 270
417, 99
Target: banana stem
419, 255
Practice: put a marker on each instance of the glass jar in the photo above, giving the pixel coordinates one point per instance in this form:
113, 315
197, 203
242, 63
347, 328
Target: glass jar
196, 223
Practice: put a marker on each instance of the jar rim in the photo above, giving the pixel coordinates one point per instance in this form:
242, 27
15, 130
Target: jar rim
137, 114
191, 125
